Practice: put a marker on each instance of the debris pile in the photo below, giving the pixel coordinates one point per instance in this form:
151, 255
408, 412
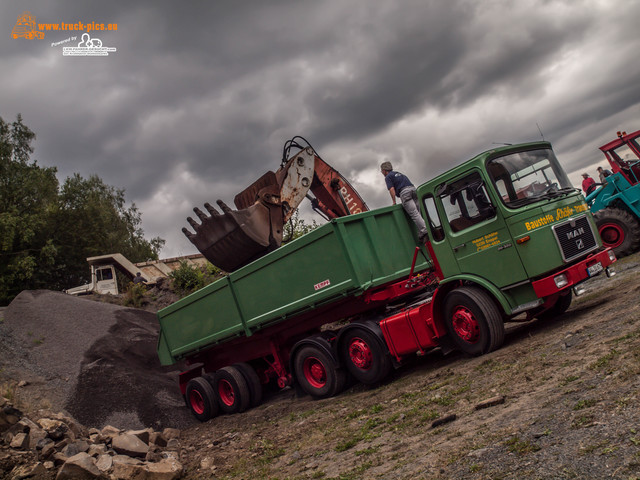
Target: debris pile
52, 445
95, 361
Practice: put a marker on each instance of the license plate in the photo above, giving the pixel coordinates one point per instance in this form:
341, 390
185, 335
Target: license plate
595, 269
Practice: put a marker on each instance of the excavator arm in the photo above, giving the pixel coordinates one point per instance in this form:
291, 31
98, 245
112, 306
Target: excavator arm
234, 238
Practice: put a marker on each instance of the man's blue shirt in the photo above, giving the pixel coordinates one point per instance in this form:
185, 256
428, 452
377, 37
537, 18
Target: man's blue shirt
398, 181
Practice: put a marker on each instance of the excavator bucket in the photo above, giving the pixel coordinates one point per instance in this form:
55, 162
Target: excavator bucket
235, 238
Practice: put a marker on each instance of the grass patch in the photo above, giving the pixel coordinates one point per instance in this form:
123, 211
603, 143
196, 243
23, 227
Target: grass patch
582, 421
366, 433
367, 451
588, 449
521, 447
443, 400
269, 452
569, 379
584, 404
602, 362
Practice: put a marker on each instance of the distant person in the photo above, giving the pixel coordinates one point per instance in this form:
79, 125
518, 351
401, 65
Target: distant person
139, 278
400, 186
588, 184
603, 173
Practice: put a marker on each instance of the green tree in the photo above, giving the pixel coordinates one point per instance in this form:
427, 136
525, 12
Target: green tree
28, 197
92, 219
296, 227
48, 231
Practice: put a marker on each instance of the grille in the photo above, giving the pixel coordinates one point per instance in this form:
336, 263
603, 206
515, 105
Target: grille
575, 238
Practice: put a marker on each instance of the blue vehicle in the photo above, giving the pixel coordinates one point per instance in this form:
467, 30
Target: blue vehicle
616, 203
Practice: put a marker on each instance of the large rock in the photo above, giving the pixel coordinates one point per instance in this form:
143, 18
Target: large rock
79, 467
166, 469
131, 445
20, 441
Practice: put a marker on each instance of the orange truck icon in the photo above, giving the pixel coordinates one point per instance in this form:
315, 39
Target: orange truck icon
26, 27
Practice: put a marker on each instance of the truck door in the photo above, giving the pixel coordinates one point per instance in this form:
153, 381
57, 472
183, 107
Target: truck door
476, 232
106, 280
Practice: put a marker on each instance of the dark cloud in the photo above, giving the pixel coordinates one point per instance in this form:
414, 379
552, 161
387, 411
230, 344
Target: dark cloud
200, 96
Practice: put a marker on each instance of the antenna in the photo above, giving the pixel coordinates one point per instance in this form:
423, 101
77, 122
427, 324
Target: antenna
541, 134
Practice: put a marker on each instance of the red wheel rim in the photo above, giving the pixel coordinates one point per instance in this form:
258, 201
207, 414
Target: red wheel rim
196, 401
225, 390
360, 354
612, 235
465, 325
314, 372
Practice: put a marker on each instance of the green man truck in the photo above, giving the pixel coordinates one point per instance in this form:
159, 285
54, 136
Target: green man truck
509, 238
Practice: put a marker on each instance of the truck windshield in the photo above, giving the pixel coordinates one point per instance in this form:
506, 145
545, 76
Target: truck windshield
527, 177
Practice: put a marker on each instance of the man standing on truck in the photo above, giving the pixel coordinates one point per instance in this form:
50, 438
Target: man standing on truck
400, 186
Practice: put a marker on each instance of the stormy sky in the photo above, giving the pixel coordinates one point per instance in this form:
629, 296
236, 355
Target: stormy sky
199, 97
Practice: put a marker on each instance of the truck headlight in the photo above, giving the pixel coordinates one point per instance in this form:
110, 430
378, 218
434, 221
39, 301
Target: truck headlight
561, 281
612, 256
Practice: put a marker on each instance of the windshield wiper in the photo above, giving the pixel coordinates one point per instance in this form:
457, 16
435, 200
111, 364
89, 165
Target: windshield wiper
548, 194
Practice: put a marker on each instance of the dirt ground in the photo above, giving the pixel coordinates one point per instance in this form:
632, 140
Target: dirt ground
565, 400
570, 388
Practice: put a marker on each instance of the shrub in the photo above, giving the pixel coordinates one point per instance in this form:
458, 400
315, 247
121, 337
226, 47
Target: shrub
188, 278
135, 295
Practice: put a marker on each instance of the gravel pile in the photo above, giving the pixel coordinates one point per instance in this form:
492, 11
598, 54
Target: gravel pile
94, 360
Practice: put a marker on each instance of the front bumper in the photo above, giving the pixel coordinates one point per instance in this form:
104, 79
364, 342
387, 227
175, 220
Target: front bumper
572, 275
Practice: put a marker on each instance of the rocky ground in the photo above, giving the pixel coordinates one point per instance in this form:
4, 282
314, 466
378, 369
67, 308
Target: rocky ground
558, 400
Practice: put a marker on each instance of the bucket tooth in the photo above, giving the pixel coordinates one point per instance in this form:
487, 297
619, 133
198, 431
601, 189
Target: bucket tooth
193, 223
212, 211
201, 215
223, 206
188, 234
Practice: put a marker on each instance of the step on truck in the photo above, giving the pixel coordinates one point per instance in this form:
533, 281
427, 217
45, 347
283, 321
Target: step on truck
509, 238
616, 203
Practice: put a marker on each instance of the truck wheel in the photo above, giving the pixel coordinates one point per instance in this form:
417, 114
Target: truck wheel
562, 305
317, 373
473, 321
232, 390
201, 399
364, 357
619, 230
253, 382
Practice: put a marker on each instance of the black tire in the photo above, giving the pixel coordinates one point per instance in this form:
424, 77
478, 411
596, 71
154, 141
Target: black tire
364, 356
232, 390
317, 373
619, 230
562, 305
201, 399
473, 321
253, 382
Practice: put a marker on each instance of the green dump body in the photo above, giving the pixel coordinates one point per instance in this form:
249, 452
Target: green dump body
343, 258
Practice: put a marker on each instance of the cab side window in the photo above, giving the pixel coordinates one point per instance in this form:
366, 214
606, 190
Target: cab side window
466, 202
433, 219
104, 274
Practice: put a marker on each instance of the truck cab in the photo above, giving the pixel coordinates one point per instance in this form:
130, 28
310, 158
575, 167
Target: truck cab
507, 221
103, 281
